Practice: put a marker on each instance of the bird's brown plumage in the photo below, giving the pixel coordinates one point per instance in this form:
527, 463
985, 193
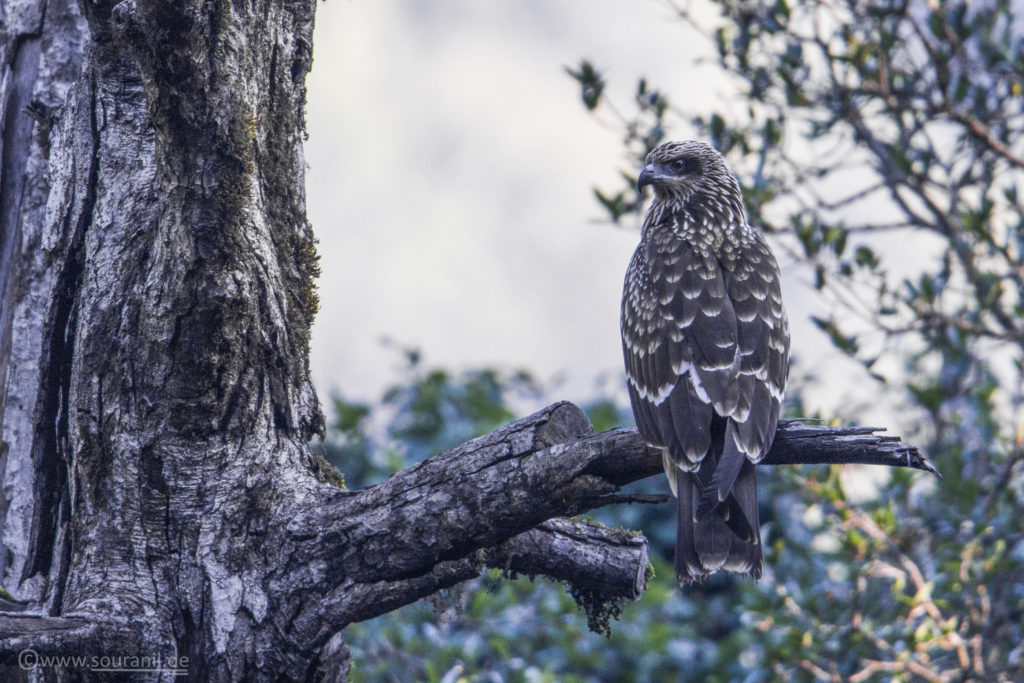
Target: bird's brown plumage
706, 345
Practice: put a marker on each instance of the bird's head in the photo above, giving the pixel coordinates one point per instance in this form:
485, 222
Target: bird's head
678, 170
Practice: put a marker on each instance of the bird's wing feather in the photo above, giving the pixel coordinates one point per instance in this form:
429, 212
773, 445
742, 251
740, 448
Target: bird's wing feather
692, 296
763, 335
680, 345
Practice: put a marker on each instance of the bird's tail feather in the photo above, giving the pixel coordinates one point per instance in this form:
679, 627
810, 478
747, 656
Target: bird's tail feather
724, 475
725, 537
747, 552
688, 564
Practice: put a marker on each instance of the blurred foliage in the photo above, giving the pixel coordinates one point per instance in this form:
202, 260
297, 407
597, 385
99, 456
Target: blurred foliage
426, 412
882, 144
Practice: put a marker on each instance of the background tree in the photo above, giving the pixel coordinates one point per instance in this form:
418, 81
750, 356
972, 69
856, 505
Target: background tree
872, 133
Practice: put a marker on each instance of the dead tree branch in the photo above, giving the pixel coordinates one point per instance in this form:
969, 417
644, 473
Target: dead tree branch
443, 519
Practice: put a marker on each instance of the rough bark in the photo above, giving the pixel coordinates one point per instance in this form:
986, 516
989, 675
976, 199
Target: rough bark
157, 271
158, 289
41, 45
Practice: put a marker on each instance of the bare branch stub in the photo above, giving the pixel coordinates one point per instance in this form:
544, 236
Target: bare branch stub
621, 456
600, 565
798, 443
611, 561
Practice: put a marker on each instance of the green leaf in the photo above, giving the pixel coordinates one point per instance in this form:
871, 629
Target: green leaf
928, 395
844, 343
836, 236
899, 158
961, 88
721, 42
717, 128
926, 288
615, 205
603, 414
348, 415
865, 257
782, 8
591, 84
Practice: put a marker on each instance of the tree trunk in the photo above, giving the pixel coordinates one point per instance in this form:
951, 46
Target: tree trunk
158, 277
158, 282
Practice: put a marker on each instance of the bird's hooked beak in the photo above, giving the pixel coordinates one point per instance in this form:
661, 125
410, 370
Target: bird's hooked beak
646, 177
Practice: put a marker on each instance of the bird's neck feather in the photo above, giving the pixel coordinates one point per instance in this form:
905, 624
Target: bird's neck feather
696, 213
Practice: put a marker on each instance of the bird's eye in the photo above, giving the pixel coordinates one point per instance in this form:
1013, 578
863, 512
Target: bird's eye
681, 165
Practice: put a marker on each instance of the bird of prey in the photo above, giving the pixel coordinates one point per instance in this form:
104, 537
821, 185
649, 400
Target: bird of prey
706, 343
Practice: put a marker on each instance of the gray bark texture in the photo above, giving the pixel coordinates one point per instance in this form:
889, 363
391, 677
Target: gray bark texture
157, 495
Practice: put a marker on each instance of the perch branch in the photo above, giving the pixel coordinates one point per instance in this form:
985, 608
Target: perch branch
620, 456
487, 502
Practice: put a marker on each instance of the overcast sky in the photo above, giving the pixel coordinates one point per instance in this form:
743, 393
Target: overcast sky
450, 166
